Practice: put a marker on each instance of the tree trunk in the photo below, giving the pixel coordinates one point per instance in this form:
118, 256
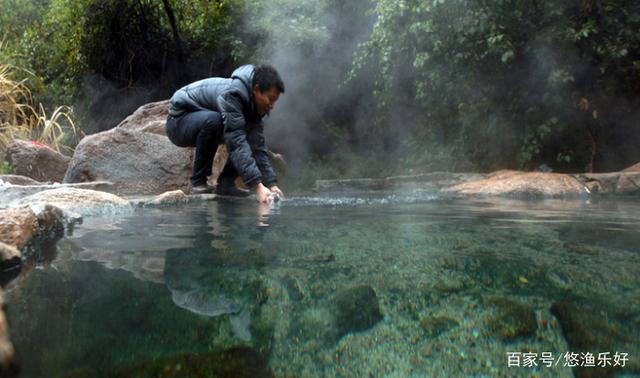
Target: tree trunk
594, 146
174, 28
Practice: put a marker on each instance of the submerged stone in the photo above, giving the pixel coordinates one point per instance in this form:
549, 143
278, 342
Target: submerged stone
448, 286
435, 326
28, 235
582, 329
512, 320
582, 249
357, 309
10, 257
240, 325
587, 330
296, 293
233, 362
315, 323
17, 226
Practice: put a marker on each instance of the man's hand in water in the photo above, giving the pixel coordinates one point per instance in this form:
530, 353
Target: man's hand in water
263, 194
274, 188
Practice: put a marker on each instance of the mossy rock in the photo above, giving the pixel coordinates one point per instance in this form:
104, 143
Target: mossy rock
357, 310
583, 249
589, 330
233, 362
512, 320
435, 326
314, 324
294, 290
448, 287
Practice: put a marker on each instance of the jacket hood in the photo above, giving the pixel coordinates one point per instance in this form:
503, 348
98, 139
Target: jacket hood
245, 75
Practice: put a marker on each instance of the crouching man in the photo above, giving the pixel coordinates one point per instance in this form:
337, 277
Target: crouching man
217, 110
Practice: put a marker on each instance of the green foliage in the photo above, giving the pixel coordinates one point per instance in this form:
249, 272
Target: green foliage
287, 22
210, 25
128, 42
7, 169
457, 84
502, 78
22, 118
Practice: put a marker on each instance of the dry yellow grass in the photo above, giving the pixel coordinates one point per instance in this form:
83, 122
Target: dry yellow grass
20, 118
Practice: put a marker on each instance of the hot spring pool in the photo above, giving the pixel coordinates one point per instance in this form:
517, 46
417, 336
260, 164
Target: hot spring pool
385, 285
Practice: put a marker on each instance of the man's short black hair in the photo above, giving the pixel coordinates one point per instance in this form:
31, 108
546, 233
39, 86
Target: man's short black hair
265, 76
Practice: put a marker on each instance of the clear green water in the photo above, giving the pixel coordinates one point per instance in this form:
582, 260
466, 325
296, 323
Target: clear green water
400, 285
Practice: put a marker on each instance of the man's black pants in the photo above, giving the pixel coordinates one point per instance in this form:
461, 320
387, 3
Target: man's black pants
203, 130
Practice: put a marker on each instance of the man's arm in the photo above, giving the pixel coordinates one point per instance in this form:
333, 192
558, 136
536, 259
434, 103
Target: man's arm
235, 137
263, 160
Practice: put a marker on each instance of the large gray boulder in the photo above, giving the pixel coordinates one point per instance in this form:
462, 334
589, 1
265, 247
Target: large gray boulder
78, 202
9, 255
152, 118
522, 184
11, 194
17, 226
138, 158
18, 180
424, 181
136, 162
623, 182
149, 118
20, 227
36, 161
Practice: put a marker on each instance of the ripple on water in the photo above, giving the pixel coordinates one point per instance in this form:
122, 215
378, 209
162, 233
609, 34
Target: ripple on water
364, 199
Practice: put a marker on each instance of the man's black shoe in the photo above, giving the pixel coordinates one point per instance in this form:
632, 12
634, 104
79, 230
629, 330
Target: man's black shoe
232, 191
202, 189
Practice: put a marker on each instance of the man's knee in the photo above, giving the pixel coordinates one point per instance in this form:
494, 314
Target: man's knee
173, 133
213, 124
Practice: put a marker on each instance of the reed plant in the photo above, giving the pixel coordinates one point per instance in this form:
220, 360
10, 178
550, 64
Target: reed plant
21, 118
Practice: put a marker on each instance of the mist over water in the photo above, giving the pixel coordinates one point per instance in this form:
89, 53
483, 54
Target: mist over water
314, 68
517, 111
508, 101
362, 199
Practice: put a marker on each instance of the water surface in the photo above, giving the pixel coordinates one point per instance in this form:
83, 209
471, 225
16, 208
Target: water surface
360, 285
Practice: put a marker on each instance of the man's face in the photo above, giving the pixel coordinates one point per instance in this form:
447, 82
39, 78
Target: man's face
265, 100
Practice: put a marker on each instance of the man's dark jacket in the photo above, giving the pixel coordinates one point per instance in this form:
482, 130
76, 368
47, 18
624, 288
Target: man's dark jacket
243, 127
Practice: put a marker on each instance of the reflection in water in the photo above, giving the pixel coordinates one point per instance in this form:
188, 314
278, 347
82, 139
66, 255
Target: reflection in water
216, 277
449, 286
138, 244
203, 302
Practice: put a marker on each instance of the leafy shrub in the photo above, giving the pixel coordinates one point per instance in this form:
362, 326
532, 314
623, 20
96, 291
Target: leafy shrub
20, 118
511, 82
6, 168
